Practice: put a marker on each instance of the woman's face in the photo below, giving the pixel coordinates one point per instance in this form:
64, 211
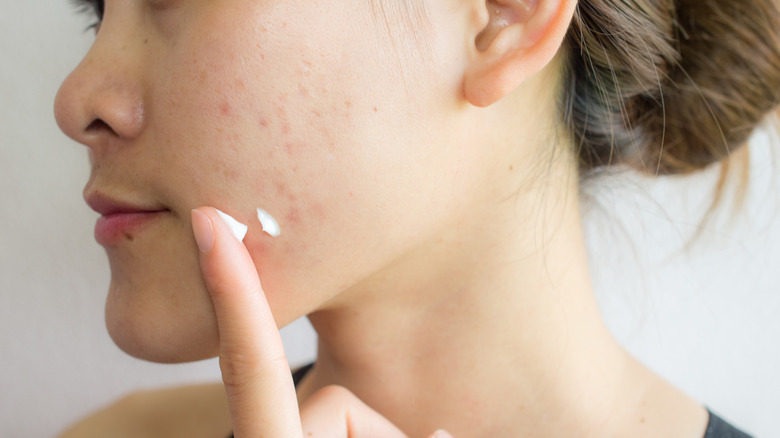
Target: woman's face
329, 115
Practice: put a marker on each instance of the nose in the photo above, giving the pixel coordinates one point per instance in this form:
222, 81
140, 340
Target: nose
100, 103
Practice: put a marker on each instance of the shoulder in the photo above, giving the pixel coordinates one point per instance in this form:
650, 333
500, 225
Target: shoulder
187, 411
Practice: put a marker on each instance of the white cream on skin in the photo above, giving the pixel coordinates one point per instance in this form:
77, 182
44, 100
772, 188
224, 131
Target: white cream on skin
268, 223
237, 228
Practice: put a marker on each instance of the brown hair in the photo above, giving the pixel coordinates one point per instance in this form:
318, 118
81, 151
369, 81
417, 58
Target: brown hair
669, 87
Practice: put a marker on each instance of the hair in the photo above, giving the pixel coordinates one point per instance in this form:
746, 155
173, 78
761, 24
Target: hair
665, 86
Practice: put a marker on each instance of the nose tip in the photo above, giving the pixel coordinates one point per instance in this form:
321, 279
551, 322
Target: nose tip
98, 102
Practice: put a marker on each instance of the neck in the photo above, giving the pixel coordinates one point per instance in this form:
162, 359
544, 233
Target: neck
489, 329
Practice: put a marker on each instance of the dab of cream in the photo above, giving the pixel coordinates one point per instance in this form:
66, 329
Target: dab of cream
268, 223
237, 228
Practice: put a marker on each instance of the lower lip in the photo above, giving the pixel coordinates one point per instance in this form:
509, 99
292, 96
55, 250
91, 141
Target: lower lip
114, 228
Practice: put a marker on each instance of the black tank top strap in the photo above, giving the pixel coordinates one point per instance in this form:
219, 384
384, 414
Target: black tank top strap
719, 428
299, 374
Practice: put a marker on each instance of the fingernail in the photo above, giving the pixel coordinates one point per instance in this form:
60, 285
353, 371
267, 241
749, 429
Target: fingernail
201, 228
441, 433
237, 228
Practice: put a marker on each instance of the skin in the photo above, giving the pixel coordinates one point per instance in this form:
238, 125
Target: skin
428, 205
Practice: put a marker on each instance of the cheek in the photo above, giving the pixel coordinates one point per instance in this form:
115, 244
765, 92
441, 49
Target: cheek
313, 134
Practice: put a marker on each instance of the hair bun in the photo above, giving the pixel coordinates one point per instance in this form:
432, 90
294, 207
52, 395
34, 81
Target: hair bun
670, 87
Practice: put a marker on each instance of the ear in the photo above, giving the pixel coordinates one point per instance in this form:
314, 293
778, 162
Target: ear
519, 39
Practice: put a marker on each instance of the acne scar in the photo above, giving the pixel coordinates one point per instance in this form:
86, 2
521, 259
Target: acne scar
293, 216
225, 108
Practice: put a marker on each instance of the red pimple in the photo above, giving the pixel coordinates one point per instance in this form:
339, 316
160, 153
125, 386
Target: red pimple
225, 108
293, 217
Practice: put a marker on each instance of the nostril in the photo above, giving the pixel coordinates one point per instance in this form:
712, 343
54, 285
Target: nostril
98, 125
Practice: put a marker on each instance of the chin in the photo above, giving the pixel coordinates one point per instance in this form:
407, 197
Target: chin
146, 325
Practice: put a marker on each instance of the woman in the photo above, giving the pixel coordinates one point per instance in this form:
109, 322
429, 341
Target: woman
422, 159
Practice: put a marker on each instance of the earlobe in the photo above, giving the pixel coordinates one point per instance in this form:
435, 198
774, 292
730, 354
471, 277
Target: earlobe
520, 38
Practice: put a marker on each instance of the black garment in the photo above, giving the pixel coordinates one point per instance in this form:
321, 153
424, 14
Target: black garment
716, 427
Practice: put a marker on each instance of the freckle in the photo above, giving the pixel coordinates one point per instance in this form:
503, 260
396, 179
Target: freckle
146, 40
263, 123
642, 420
229, 174
348, 103
511, 168
129, 236
375, 109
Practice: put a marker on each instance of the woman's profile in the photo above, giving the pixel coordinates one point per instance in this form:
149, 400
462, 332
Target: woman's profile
422, 160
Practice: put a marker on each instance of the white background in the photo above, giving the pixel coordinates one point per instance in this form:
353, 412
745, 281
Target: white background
706, 317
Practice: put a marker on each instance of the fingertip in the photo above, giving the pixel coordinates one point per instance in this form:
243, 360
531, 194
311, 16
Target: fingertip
203, 230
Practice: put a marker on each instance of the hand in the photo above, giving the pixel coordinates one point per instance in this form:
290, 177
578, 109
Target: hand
257, 378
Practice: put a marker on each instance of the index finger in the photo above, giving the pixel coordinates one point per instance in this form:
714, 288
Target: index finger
257, 378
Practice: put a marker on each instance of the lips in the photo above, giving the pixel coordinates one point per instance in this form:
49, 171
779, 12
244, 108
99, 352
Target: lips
121, 221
